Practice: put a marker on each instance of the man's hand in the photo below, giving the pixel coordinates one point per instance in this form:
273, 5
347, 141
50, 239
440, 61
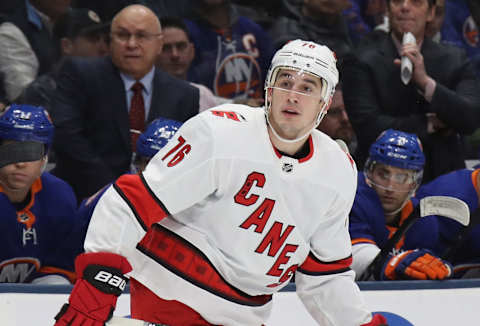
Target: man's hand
419, 74
418, 264
94, 296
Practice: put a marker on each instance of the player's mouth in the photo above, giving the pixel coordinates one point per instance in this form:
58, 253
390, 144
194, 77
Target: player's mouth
290, 112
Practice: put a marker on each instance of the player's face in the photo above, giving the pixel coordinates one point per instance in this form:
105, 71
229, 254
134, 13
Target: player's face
18, 177
177, 53
393, 185
410, 16
295, 103
136, 41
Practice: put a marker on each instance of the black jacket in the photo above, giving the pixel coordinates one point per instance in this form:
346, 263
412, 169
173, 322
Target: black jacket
376, 100
89, 110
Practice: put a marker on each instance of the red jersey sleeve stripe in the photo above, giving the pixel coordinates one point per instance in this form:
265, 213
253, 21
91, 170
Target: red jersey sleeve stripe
147, 208
362, 240
313, 266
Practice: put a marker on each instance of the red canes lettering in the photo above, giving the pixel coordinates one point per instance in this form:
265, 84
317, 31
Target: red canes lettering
241, 197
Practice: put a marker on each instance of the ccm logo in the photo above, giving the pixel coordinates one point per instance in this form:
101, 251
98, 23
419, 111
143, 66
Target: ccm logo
110, 279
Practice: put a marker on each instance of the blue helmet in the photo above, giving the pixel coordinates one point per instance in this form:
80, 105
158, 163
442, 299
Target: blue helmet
26, 123
399, 149
156, 136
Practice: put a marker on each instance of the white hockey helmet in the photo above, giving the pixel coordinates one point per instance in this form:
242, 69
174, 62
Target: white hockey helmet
305, 56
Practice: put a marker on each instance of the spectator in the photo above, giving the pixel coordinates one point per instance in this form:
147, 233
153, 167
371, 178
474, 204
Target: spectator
365, 16
231, 52
80, 33
442, 79
458, 244
320, 21
37, 208
336, 123
267, 179
392, 174
95, 105
177, 56
28, 49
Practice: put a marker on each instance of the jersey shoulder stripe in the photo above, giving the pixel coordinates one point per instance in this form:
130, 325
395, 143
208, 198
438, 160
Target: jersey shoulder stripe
313, 266
146, 207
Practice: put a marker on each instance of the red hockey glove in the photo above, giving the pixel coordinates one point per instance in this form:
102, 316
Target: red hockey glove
418, 264
377, 320
94, 296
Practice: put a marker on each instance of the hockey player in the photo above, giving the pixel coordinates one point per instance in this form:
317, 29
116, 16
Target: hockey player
36, 208
460, 245
240, 200
392, 173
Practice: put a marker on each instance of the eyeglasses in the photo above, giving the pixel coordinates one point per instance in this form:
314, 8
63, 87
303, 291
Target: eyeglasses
140, 37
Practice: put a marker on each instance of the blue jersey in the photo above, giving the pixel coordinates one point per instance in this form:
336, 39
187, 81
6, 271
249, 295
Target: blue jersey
33, 236
460, 184
232, 66
459, 28
84, 214
367, 222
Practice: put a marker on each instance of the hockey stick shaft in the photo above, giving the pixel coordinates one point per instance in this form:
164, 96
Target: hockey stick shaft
375, 265
445, 206
461, 237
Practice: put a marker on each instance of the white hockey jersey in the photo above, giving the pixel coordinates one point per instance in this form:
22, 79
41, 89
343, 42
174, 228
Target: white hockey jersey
242, 220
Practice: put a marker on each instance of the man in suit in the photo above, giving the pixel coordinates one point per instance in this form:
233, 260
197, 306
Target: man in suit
102, 105
440, 104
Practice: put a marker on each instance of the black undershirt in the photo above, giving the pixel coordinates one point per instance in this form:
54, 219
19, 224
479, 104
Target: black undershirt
301, 153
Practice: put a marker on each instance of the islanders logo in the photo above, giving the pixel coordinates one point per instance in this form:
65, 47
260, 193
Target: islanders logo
470, 32
238, 75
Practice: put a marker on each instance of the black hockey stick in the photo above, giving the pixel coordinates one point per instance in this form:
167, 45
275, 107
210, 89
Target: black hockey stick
445, 206
461, 237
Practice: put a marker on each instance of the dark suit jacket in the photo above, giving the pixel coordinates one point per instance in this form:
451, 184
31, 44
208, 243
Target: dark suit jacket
376, 99
89, 110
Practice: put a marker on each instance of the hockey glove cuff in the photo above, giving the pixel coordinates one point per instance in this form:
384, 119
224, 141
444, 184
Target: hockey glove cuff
418, 264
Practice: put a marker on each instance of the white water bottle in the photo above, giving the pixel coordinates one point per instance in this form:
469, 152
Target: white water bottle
406, 66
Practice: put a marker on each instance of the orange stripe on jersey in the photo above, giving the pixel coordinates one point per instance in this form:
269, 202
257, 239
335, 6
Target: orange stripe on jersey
72, 277
362, 240
314, 266
476, 181
146, 207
